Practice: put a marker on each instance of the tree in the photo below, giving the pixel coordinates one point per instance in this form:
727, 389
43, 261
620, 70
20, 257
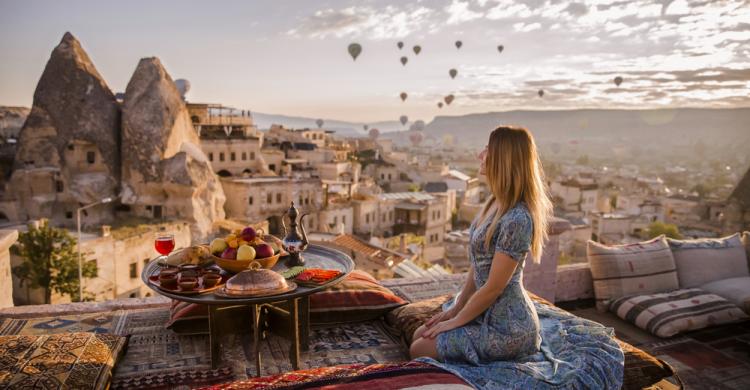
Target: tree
657, 228
583, 160
50, 261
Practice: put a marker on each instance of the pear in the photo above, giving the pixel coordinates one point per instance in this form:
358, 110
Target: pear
218, 246
245, 252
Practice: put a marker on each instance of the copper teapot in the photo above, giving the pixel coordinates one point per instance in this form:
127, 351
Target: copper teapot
293, 242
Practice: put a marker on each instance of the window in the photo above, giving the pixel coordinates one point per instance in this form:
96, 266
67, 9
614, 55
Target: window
252, 157
232, 156
307, 200
221, 156
69, 214
278, 197
389, 176
71, 147
133, 270
382, 176
335, 220
300, 199
272, 167
269, 198
244, 156
383, 219
250, 201
390, 215
343, 219
211, 156
91, 157
367, 217
59, 185
133, 295
438, 214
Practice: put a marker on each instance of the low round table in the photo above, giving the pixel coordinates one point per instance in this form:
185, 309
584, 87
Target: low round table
293, 306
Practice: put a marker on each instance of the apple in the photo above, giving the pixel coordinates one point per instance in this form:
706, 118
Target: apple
218, 245
248, 234
245, 252
263, 250
229, 254
275, 246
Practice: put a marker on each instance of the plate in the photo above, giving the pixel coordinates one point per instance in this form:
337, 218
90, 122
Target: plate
154, 280
222, 292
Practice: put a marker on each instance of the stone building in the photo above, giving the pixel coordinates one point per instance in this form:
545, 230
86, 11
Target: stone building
120, 256
8, 237
375, 260
255, 199
229, 138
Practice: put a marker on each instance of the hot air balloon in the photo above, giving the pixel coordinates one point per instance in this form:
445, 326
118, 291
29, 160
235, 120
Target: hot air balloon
400, 45
440, 104
416, 137
365, 127
448, 99
417, 125
417, 49
319, 122
500, 48
459, 44
355, 50
374, 133
403, 119
453, 73
618, 81
403, 96
183, 86
540, 93
404, 60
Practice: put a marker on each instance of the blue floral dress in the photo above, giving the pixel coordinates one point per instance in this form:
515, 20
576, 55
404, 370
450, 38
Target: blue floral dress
509, 329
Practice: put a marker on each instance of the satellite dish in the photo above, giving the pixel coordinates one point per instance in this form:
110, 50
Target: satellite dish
183, 86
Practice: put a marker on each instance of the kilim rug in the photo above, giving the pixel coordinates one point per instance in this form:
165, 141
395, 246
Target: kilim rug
417, 289
110, 322
158, 358
714, 358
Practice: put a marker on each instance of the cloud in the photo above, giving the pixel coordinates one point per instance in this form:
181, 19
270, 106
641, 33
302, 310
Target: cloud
459, 12
522, 27
367, 22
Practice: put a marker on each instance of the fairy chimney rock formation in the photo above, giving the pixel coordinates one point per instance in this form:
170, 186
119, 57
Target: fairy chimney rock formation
164, 171
68, 152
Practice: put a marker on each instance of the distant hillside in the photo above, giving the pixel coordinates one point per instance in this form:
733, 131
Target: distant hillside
11, 120
264, 121
674, 126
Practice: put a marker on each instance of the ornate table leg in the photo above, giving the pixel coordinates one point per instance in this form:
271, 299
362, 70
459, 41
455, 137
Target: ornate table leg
213, 336
294, 319
256, 309
304, 319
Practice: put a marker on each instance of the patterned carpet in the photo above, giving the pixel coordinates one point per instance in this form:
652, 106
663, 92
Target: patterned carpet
91, 322
715, 358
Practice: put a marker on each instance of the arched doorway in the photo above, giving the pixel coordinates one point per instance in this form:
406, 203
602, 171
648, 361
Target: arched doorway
224, 173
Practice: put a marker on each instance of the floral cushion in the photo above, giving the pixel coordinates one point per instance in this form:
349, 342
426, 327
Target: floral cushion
65, 360
708, 260
406, 319
631, 269
667, 314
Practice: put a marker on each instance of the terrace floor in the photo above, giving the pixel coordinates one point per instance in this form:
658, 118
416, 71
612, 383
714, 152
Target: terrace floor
717, 358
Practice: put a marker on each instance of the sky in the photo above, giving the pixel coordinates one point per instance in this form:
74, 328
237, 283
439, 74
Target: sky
290, 57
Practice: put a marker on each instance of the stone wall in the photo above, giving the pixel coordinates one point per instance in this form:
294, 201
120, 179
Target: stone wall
7, 238
541, 279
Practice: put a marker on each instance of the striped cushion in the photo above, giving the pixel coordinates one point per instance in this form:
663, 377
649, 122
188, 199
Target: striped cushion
666, 314
707, 260
632, 269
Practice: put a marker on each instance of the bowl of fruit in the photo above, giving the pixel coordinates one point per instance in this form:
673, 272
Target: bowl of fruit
238, 250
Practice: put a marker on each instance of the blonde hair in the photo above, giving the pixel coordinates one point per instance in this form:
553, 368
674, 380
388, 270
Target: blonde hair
514, 174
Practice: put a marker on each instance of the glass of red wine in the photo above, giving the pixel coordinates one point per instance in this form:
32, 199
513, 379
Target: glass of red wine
164, 243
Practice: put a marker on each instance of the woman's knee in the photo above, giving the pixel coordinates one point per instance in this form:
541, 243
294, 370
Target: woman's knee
418, 332
422, 347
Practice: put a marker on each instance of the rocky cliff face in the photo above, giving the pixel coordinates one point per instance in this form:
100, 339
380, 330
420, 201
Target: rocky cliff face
70, 136
163, 164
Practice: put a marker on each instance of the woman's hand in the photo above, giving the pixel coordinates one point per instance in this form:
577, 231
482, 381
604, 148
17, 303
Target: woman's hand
440, 317
441, 327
